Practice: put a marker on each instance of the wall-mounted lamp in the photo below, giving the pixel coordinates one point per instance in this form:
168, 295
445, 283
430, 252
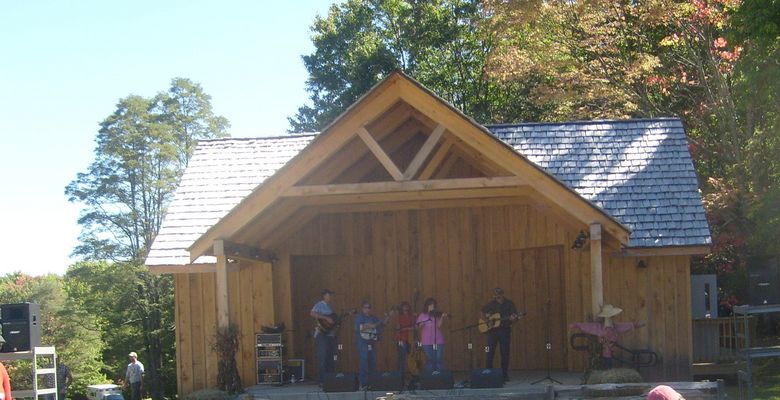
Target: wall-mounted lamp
579, 241
641, 264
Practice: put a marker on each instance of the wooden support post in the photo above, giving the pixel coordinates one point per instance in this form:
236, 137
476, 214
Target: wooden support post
223, 311
596, 277
282, 294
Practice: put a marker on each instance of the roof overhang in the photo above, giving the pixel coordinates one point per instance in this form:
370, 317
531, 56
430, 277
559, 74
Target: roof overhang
286, 195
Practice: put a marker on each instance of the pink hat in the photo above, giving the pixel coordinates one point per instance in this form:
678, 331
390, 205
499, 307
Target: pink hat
663, 392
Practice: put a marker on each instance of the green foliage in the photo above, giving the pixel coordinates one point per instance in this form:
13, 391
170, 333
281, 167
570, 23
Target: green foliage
142, 149
226, 347
440, 43
713, 63
64, 324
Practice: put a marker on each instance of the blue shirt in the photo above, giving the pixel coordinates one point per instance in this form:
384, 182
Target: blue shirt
324, 309
366, 319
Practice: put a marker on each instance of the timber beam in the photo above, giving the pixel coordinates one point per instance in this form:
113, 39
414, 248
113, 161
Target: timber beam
410, 186
596, 270
242, 252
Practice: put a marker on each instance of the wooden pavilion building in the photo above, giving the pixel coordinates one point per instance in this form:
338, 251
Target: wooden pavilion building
403, 197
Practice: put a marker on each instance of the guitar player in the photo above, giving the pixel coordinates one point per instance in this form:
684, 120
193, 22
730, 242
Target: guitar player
324, 341
501, 334
368, 328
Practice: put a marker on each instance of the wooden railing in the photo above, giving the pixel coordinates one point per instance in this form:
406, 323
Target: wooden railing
714, 340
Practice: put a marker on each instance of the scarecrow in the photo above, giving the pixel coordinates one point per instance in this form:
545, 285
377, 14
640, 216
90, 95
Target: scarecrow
607, 332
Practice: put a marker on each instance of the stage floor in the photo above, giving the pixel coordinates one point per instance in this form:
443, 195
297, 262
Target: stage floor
519, 384
519, 387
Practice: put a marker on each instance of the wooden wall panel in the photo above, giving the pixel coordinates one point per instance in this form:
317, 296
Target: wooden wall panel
456, 255
407, 252
658, 295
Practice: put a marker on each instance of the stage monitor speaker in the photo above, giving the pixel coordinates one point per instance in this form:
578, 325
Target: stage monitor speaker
20, 326
486, 378
436, 380
388, 381
340, 382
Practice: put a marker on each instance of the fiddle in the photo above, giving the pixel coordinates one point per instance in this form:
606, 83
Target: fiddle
439, 314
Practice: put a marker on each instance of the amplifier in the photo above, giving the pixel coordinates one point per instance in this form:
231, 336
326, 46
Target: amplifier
296, 369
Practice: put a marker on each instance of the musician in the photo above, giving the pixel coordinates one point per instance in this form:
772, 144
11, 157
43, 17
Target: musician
325, 342
368, 328
405, 328
502, 334
429, 324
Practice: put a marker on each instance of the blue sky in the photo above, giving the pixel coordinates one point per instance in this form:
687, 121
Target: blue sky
65, 64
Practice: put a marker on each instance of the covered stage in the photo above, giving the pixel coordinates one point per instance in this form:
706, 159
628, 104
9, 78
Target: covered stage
403, 197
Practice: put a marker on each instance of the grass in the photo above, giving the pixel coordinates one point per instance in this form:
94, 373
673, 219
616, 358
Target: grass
766, 381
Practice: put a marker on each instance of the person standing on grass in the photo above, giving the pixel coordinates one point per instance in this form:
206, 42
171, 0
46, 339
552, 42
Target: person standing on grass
134, 376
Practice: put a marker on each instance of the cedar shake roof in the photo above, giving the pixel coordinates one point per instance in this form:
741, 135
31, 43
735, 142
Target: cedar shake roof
639, 171
220, 174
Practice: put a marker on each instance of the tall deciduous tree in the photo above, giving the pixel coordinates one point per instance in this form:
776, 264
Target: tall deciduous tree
440, 43
141, 151
712, 62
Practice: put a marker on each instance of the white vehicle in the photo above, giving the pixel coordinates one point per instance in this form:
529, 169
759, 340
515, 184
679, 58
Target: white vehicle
106, 391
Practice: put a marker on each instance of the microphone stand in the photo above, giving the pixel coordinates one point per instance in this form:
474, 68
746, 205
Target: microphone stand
548, 345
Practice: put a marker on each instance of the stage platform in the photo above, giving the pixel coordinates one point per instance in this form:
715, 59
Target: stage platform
519, 387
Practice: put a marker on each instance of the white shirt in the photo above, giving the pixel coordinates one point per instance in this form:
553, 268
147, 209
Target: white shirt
134, 372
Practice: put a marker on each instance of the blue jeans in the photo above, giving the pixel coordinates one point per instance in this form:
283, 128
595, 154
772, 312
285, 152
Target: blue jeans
366, 361
135, 391
326, 347
499, 337
435, 357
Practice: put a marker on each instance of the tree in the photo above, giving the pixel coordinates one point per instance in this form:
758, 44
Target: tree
440, 43
186, 110
141, 151
711, 62
71, 329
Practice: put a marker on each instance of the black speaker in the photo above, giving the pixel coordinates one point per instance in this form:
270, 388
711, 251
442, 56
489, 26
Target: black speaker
20, 326
436, 380
486, 378
763, 280
340, 382
388, 380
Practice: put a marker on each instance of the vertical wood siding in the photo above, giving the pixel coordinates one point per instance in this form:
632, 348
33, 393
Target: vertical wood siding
456, 255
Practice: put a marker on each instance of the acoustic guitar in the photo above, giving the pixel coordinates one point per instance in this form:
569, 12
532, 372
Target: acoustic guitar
494, 321
372, 334
327, 327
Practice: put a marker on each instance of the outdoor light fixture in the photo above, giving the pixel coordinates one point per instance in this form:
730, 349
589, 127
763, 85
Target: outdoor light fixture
579, 242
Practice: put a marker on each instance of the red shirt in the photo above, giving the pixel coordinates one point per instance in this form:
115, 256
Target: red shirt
6, 381
405, 321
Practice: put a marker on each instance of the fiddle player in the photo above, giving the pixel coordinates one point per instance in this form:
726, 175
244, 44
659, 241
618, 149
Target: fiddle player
429, 324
